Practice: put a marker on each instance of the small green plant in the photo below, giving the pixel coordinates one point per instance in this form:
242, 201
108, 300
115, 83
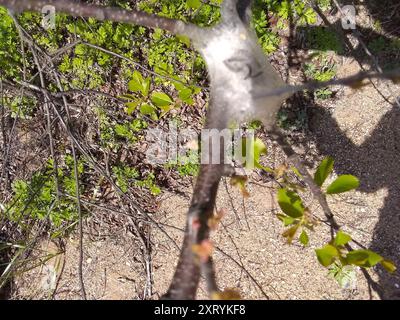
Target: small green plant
341, 260
377, 26
323, 39
22, 107
292, 119
129, 129
384, 45
281, 13
378, 45
321, 69
324, 93
114, 134
295, 213
292, 9
127, 177
269, 40
10, 57
395, 44
37, 198
296, 217
336, 255
186, 166
324, 5
149, 183
154, 103
83, 71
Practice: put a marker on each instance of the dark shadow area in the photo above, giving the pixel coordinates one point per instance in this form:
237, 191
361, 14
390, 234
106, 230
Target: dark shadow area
387, 12
376, 163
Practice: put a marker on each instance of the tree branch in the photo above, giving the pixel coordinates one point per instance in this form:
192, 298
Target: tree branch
242, 7
187, 274
355, 81
293, 157
79, 9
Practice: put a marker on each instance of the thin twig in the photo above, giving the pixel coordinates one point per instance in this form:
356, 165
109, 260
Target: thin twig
292, 156
76, 174
351, 81
22, 33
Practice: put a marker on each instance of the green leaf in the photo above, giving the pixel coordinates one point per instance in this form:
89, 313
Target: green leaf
80, 49
131, 106
327, 255
251, 155
290, 203
184, 39
344, 275
121, 130
193, 4
179, 84
388, 265
341, 238
147, 109
304, 238
287, 221
136, 84
186, 96
363, 258
127, 96
357, 257
146, 87
259, 149
160, 99
343, 183
166, 109
323, 171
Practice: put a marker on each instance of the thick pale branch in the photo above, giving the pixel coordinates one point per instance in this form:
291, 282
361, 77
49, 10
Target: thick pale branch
79, 9
239, 7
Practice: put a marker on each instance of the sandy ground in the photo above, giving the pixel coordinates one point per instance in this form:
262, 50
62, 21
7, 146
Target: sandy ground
252, 256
